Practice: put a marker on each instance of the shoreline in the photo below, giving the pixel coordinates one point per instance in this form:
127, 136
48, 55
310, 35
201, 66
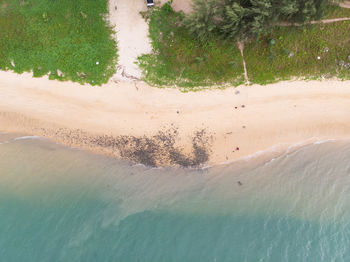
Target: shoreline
273, 153
164, 127
258, 158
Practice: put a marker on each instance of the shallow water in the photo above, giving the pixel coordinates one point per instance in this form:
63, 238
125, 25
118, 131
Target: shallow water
61, 204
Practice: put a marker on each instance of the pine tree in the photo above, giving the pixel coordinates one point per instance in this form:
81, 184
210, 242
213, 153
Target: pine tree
234, 19
244, 18
288, 9
201, 22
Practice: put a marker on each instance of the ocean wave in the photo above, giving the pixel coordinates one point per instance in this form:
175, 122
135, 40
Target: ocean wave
27, 137
324, 141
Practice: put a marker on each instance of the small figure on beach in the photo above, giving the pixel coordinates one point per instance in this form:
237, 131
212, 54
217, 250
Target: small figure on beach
239, 183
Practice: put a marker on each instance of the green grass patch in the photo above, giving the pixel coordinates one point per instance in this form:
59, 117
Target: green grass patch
308, 52
335, 11
65, 39
180, 60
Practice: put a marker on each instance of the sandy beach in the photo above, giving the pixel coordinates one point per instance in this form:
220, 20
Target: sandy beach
160, 127
128, 119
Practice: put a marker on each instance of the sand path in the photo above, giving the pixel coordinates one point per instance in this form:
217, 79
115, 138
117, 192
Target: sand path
132, 35
324, 21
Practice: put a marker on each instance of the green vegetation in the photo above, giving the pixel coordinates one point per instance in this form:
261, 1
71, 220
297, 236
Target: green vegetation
179, 59
65, 39
335, 11
318, 51
232, 19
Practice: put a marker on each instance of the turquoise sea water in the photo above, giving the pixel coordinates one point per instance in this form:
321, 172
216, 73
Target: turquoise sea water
61, 204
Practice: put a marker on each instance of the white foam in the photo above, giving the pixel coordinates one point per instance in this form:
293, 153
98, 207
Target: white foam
273, 149
324, 141
27, 137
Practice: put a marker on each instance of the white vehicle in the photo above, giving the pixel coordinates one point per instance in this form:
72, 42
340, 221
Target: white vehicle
150, 3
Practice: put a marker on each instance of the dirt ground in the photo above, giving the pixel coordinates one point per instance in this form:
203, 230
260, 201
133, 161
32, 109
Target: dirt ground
345, 4
180, 5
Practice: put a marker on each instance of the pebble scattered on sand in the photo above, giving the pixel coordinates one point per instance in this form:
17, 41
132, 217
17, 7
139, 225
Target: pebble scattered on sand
157, 150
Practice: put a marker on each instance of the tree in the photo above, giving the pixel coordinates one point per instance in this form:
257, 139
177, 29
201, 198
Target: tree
201, 22
244, 18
